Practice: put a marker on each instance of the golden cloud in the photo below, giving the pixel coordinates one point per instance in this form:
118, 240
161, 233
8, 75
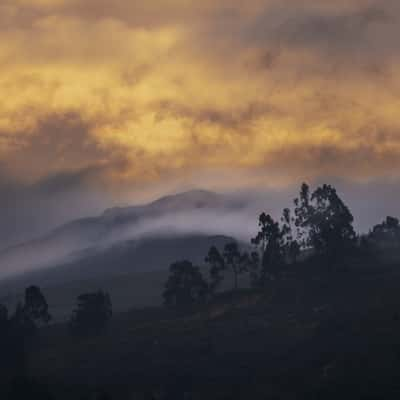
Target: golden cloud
163, 86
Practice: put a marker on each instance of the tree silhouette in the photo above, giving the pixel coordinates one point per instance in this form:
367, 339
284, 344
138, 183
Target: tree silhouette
291, 246
185, 285
324, 222
18, 330
217, 267
235, 261
270, 241
93, 312
36, 307
231, 259
383, 240
31, 314
388, 232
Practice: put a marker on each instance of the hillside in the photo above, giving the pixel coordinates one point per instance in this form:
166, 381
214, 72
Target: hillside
308, 335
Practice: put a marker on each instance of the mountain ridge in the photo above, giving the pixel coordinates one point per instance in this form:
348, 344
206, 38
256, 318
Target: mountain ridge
114, 225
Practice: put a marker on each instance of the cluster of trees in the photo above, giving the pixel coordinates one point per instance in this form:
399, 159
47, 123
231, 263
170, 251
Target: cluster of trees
319, 225
318, 228
386, 234
18, 330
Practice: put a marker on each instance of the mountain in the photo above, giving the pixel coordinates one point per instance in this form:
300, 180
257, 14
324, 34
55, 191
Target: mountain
190, 213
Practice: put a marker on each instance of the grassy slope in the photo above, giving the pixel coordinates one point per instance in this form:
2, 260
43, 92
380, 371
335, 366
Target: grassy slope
308, 335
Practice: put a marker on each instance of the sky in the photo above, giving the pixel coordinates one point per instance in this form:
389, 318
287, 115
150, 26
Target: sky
107, 102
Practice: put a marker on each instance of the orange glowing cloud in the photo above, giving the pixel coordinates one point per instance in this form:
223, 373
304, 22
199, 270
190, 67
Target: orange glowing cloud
139, 89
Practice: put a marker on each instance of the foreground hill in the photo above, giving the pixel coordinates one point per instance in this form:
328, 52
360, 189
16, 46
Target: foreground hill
308, 335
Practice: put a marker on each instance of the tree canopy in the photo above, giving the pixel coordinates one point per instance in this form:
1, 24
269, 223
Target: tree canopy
269, 240
185, 285
324, 222
231, 259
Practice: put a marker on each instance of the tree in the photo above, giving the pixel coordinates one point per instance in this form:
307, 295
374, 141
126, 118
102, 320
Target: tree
270, 241
217, 267
30, 314
93, 312
36, 307
235, 261
291, 246
324, 222
302, 211
382, 241
386, 233
185, 285
18, 330
231, 259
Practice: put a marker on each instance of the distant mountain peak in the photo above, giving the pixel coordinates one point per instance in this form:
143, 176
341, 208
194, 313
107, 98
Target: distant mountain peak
192, 196
196, 198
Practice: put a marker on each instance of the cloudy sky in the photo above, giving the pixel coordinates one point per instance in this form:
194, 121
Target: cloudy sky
105, 101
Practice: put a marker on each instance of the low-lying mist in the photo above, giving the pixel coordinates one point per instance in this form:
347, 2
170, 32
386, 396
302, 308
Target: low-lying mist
232, 214
71, 242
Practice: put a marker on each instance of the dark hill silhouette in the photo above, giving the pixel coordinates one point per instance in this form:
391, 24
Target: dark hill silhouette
311, 335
